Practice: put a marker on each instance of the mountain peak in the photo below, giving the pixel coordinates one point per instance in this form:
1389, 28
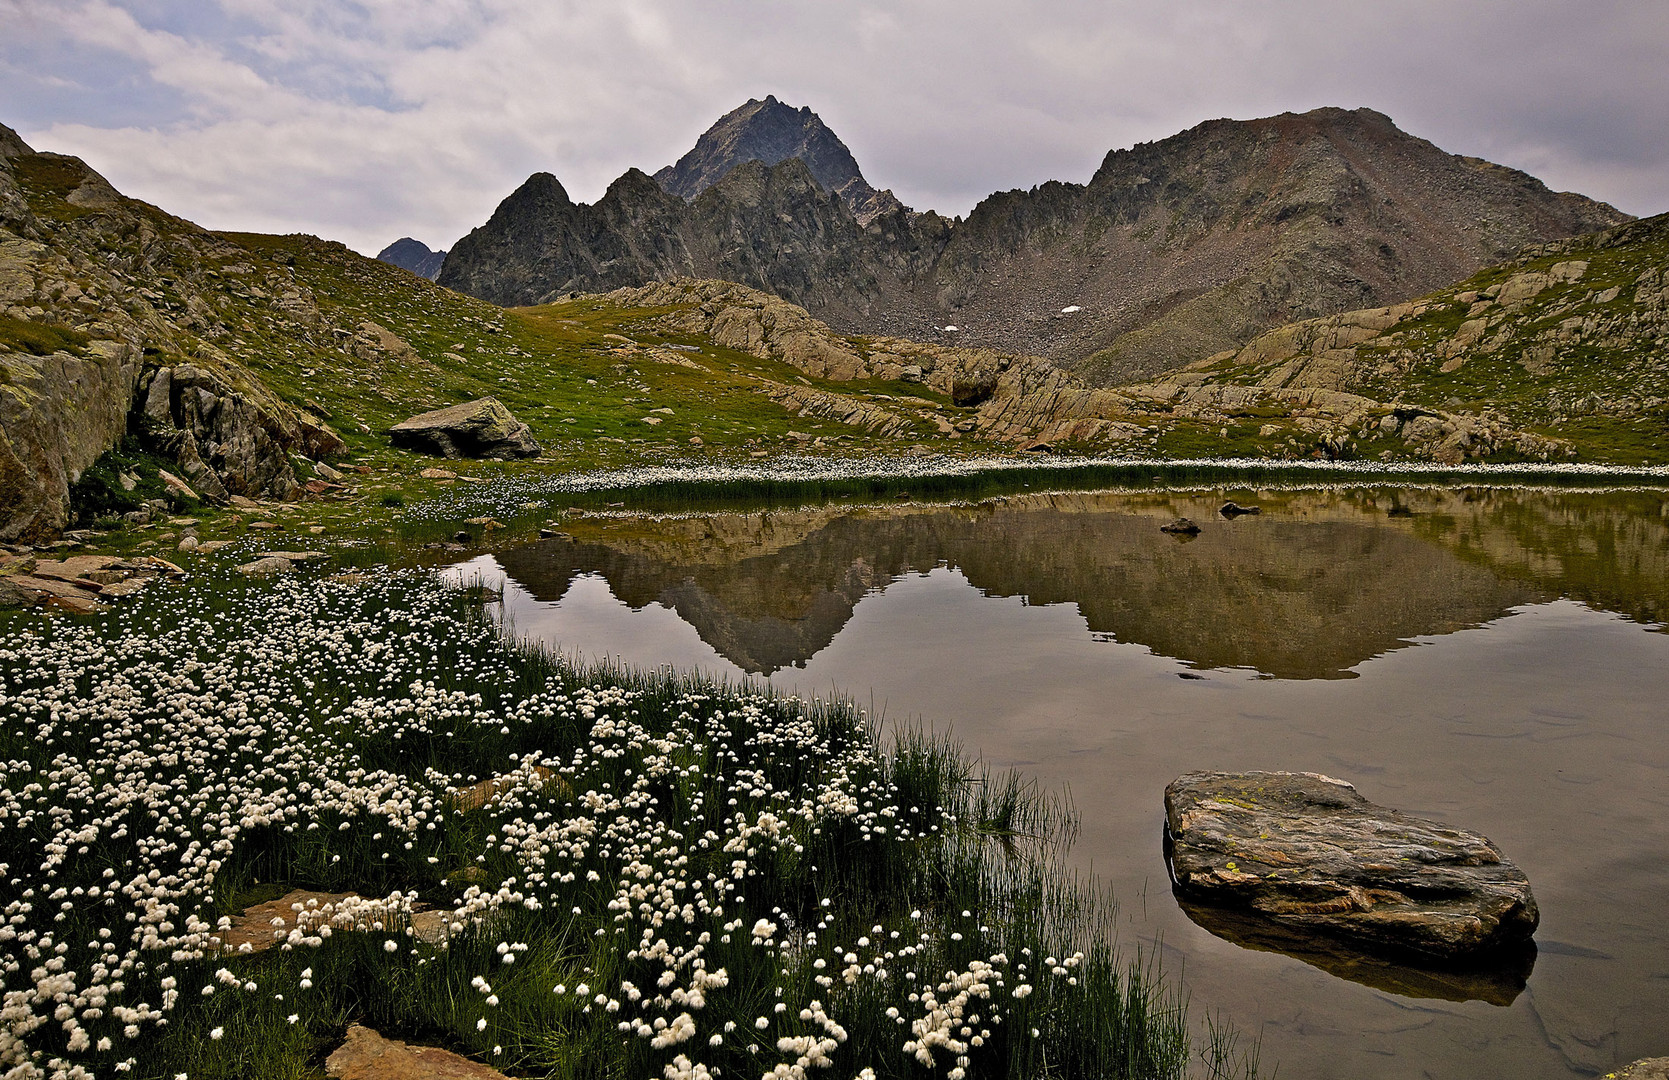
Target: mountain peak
771, 132
413, 255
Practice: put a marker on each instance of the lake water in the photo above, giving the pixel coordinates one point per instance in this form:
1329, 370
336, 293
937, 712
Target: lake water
1492, 658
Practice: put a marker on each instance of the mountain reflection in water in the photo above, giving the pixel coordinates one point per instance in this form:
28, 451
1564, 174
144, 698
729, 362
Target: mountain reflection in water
1310, 588
1484, 657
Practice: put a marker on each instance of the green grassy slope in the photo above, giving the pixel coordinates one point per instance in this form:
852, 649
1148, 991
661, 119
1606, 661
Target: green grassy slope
585, 376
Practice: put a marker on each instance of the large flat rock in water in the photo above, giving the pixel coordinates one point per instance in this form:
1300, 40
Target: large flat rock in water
1310, 853
478, 429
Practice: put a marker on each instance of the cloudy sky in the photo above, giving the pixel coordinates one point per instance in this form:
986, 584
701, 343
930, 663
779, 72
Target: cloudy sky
364, 120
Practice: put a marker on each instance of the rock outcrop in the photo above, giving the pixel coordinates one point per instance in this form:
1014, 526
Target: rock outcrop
366, 1055
413, 255
80, 584
1025, 400
1310, 853
228, 441
477, 429
109, 314
1173, 251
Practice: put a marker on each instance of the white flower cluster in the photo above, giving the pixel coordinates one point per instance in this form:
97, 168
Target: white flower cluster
340, 727
507, 496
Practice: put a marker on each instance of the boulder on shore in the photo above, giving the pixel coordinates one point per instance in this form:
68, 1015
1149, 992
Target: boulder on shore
1310, 853
478, 429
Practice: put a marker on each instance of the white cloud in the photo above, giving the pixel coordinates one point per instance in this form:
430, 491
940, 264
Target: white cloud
368, 120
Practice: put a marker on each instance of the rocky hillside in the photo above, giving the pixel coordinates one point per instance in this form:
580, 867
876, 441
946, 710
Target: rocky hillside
1568, 340
413, 255
770, 132
1174, 250
1556, 355
113, 320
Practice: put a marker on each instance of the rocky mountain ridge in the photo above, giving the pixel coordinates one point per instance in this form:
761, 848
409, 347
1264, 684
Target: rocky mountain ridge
770, 132
1028, 401
773, 227
224, 355
1173, 251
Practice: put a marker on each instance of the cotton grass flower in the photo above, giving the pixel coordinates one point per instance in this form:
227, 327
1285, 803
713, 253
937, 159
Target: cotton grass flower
642, 826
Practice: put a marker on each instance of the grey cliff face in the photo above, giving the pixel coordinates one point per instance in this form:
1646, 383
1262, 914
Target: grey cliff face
1174, 251
773, 228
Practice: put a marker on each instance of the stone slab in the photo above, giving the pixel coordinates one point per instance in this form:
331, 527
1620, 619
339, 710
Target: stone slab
1309, 852
366, 1055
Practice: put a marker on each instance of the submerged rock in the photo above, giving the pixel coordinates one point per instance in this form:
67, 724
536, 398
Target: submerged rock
479, 429
1181, 527
1310, 853
1497, 978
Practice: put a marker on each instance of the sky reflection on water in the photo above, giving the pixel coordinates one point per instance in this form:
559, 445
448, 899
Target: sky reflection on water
1425, 646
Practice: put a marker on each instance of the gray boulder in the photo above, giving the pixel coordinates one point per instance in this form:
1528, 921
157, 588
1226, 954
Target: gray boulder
1310, 853
479, 429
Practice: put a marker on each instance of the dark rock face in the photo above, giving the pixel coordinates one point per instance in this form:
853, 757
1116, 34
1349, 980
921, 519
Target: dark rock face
413, 255
479, 429
1311, 854
226, 441
1173, 251
770, 132
774, 228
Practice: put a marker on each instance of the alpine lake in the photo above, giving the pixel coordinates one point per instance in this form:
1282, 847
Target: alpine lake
1491, 657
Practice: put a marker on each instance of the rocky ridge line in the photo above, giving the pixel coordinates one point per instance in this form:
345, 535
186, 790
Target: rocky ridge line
413, 255
1572, 329
1173, 251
